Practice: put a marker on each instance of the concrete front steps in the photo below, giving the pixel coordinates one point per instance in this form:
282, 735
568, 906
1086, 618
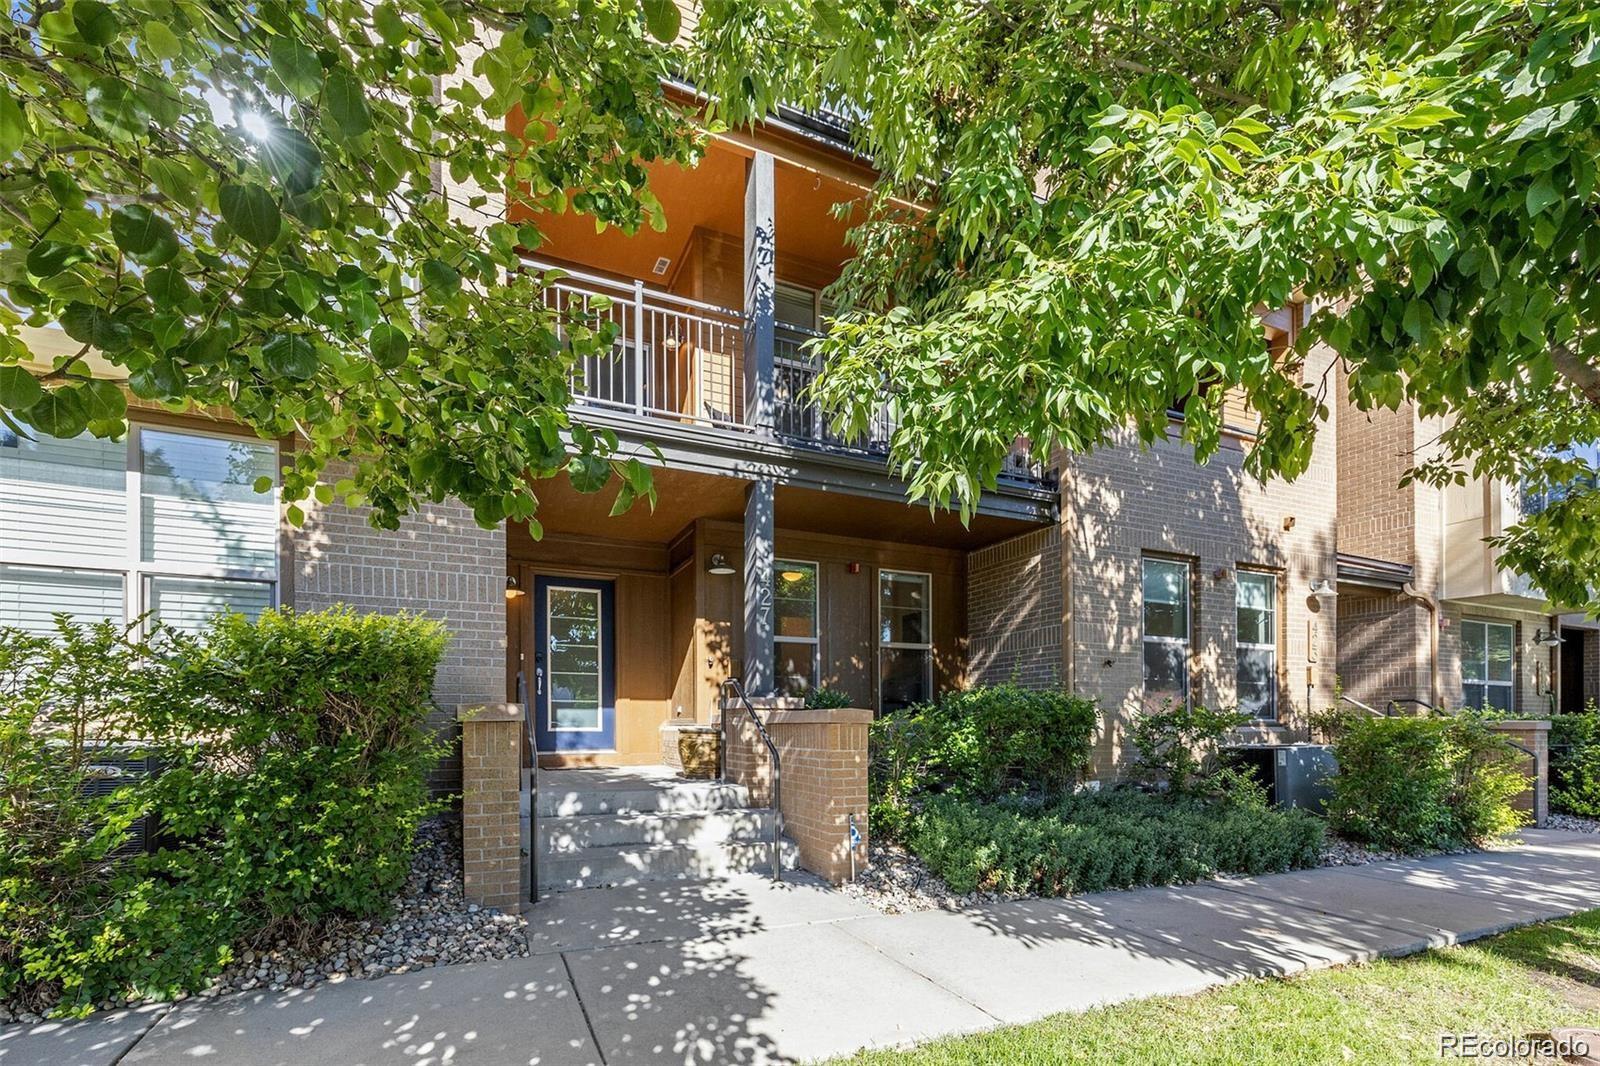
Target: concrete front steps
623, 827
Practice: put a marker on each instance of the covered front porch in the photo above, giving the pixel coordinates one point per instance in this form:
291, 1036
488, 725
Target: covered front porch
620, 626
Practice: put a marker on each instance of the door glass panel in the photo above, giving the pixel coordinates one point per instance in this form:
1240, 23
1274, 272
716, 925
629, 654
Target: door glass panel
572, 626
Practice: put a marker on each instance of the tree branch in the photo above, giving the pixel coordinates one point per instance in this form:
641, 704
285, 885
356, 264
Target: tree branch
1576, 369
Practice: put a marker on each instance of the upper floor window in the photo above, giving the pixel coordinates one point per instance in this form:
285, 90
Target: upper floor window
166, 522
797, 305
1166, 630
1488, 665
1256, 605
905, 645
794, 602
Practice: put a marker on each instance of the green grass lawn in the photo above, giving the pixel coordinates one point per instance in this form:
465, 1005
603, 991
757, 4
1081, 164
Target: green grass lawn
1389, 1011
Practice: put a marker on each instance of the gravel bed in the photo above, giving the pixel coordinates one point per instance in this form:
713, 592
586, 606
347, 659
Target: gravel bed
432, 924
1571, 823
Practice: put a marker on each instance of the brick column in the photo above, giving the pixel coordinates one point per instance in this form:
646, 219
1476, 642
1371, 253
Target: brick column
1534, 736
491, 793
823, 755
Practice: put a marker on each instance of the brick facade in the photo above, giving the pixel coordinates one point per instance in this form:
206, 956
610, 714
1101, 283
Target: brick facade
1014, 611
439, 563
491, 790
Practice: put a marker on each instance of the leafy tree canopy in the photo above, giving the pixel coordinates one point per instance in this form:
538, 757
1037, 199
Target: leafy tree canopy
1116, 189
245, 206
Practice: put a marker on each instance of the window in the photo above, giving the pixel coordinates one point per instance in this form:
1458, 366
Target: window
905, 653
1257, 608
574, 622
1488, 671
166, 522
794, 602
1166, 630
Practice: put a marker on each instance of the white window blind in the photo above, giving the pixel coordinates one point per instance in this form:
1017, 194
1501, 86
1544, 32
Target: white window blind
63, 498
199, 505
187, 604
30, 597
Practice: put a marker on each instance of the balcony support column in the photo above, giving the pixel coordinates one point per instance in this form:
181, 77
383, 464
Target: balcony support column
760, 670
760, 288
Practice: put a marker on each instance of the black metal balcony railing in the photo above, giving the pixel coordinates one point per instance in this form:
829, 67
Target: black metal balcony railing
682, 360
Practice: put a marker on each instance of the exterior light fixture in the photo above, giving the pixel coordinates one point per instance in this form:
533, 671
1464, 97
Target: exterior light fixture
1551, 639
718, 564
1323, 589
513, 587
791, 575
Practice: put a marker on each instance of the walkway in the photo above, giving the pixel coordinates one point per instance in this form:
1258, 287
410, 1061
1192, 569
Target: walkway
744, 971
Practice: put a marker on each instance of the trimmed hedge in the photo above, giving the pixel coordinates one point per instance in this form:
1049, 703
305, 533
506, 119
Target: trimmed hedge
294, 753
1575, 763
1122, 838
1424, 784
978, 744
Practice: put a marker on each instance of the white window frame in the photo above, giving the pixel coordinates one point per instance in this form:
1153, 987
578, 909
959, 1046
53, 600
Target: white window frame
599, 656
815, 640
883, 645
1509, 686
1186, 641
1242, 645
135, 571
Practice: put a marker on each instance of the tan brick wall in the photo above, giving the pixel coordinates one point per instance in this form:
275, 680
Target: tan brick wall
823, 756
1383, 647
1123, 502
439, 563
1532, 736
1014, 611
491, 783
1532, 662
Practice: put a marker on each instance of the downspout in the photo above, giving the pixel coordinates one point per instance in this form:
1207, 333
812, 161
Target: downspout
1410, 591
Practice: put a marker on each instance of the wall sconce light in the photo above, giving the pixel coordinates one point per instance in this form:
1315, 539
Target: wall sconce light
718, 564
513, 587
1551, 639
1323, 589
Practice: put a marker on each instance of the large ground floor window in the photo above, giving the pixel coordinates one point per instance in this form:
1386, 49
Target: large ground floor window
1488, 664
905, 639
165, 522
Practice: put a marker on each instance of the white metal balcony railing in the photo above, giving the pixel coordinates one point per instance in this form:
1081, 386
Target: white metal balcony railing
680, 359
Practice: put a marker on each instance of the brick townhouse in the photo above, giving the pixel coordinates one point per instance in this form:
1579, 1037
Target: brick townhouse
788, 557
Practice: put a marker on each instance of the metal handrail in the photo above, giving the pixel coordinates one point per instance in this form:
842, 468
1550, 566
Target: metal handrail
533, 789
628, 288
732, 685
1358, 704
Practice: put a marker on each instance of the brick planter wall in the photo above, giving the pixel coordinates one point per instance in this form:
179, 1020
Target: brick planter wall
491, 788
823, 754
1534, 735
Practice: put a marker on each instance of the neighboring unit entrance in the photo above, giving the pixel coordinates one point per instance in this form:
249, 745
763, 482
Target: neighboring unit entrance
575, 664
1572, 669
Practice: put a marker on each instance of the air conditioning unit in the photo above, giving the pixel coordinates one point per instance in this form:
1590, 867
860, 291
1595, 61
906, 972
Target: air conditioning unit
112, 767
1295, 775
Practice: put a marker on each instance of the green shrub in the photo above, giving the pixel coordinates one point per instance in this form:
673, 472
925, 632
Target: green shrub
1417, 784
825, 698
1178, 744
295, 754
1122, 838
1575, 763
978, 744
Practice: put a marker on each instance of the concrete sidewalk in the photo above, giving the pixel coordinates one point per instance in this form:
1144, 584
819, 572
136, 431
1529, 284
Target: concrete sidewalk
746, 971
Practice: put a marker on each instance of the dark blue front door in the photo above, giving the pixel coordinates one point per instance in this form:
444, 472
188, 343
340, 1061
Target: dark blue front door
575, 664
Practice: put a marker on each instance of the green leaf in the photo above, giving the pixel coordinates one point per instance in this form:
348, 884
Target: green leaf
1541, 194
95, 326
13, 124
588, 472
662, 19
116, 108
296, 67
19, 390
147, 237
303, 291
60, 412
262, 484
346, 102
167, 288
290, 355
292, 159
439, 279
252, 213
389, 345
161, 380
173, 179
49, 258
103, 401
1424, 115
161, 41
95, 21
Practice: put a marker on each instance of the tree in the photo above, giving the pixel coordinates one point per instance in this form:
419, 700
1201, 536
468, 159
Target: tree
1114, 190
246, 206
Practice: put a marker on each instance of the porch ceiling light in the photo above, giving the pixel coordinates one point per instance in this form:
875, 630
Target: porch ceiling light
791, 575
718, 564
